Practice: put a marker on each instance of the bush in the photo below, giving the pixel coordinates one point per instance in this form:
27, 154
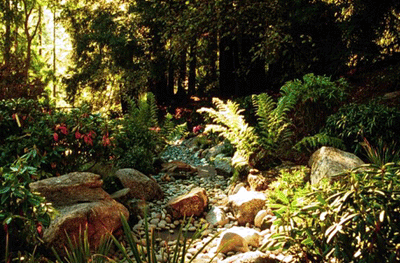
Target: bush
64, 140
373, 121
355, 219
315, 98
23, 214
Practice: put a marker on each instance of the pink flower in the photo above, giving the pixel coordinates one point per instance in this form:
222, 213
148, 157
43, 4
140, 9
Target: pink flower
197, 129
55, 136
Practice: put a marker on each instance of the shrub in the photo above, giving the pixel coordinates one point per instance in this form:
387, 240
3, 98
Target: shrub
374, 121
64, 140
315, 98
23, 214
355, 219
137, 140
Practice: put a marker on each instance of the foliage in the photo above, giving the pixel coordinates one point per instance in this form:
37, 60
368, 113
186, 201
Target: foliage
355, 218
23, 214
147, 253
311, 143
137, 140
382, 153
64, 140
354, 122
79, 251
273, 124
230, 124
171, 131
315, 98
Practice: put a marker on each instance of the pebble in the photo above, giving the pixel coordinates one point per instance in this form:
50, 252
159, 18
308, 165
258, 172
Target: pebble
217, 191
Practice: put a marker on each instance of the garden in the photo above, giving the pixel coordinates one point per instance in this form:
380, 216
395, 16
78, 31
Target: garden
208, 101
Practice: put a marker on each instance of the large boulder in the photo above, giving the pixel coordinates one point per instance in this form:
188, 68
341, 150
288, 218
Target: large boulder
72, 188
140, 185
327, 162
246, 204
100, 218
81, 203
192, 203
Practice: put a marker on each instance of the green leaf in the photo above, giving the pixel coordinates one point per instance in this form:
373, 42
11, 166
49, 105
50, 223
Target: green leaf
307, 242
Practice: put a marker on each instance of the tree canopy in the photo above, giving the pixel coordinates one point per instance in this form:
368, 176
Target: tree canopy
177, 48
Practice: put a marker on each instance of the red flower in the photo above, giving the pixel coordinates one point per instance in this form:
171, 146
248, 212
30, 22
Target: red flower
39, 229
53, 165
55, 136
106, 140
64, 130
197, 129
78, 135
88, 139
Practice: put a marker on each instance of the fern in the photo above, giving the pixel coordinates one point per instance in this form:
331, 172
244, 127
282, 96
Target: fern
311, 143
230, 124
145, 110
273, 124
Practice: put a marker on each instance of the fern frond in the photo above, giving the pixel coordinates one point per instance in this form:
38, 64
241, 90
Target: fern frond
273, 123
230, 124
311, 143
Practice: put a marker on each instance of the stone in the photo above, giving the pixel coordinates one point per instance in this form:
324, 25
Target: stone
257, 182
174, 167
258, 220
216, 216
230, 241
192, 203
72, 188
246, 204
328, 161
81, 203
250, 257
140, 185
100, 218
223, 165
121, 195
206, 171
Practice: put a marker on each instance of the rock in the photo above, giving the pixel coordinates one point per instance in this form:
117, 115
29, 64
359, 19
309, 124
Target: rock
223, 165
192, 203
246, 204
216, 216
80, 202
257, 182
230, 241
142, 186
100, 218
213, 151
206, 171
178, 167
327, 162
238, 239
258, 220
71, 188
250, 257
121, 195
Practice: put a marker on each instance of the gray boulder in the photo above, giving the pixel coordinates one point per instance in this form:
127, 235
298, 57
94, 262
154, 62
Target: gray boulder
327, 162
140, 185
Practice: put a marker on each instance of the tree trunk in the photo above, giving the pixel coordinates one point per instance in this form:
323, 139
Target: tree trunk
192, 69
7, 43
182, 75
